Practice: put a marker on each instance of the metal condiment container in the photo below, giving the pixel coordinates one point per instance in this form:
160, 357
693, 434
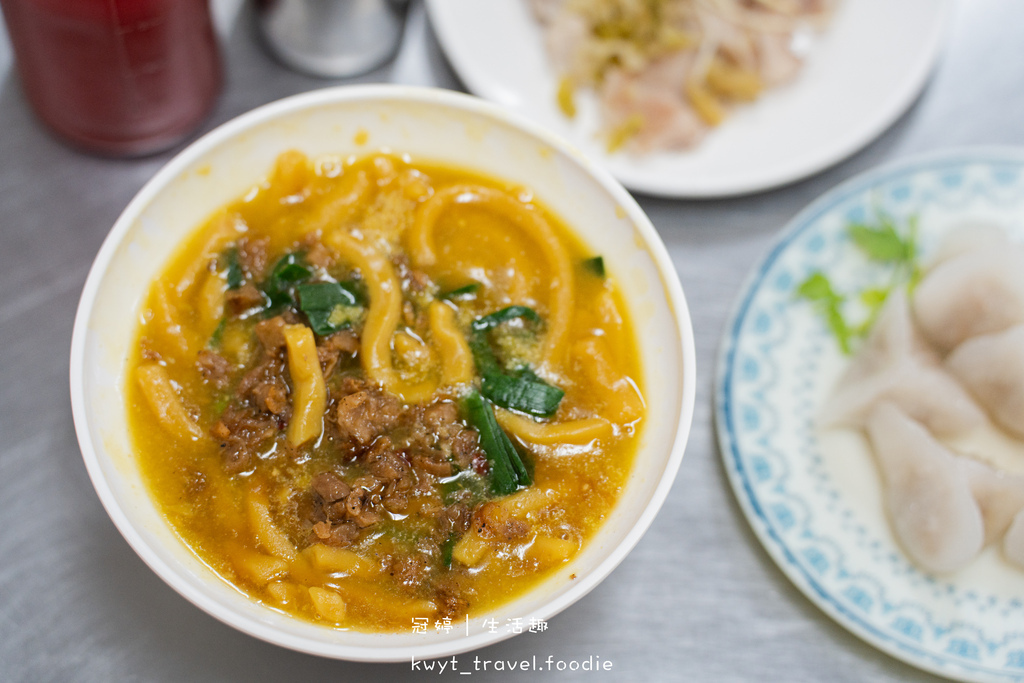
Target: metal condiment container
332, 38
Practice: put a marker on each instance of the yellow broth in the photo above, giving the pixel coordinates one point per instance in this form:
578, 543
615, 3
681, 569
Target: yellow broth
249, 511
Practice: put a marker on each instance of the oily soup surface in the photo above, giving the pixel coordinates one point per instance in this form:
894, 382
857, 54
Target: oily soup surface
346, 393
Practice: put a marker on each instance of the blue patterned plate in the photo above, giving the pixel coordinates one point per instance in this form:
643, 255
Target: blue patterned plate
813, 497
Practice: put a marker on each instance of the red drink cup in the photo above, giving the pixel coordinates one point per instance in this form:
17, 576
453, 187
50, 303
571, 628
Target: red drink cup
116, 77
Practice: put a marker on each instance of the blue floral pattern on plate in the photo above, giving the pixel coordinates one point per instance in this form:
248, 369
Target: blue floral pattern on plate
813, 498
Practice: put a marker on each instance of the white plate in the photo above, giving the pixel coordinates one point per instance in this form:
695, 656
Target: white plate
814, 498
861, 74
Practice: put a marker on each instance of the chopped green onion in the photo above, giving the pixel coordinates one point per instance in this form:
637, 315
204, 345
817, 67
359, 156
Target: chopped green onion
218, 334
483, 356
595, 265
233, 272
356, 288
526, 395
508, 472
460, 292
527, 372
288, 272
325, 295
330, 306
492, 320
291, 274
446, 550
220, 403
513, 455
525, 392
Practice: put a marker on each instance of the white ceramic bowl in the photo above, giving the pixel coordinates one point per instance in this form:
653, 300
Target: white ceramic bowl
430, 125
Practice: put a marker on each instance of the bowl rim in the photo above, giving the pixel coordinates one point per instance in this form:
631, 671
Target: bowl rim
172, 575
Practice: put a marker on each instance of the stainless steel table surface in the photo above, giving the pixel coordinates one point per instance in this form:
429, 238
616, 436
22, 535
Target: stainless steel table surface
698, 599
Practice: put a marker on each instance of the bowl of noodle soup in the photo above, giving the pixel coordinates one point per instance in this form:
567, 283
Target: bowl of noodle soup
347, 127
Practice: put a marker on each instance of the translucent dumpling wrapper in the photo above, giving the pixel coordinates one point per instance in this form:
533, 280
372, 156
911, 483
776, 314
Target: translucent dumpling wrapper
896, 364
1013, 542
966, 237
1000, 496
991, 367
929, 500
979, 291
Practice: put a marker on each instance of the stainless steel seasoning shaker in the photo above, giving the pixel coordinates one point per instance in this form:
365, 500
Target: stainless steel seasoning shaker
332, 38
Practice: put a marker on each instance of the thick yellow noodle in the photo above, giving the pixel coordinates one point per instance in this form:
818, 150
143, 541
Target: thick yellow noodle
382, 317
308, 389
335, 210
574, 432
594, 357
156, 386
225, 228
268, 534
456, 358
560, 287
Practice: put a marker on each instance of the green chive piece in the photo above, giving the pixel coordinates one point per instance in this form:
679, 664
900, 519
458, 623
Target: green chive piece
595, 265
522, 393
446, 551
483, 356
492, 320
460, 292
218, 334
507, 469
330, 306
288, 272
233, 272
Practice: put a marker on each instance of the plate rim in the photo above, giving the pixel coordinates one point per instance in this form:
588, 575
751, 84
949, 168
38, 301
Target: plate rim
729, 456
887, 113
